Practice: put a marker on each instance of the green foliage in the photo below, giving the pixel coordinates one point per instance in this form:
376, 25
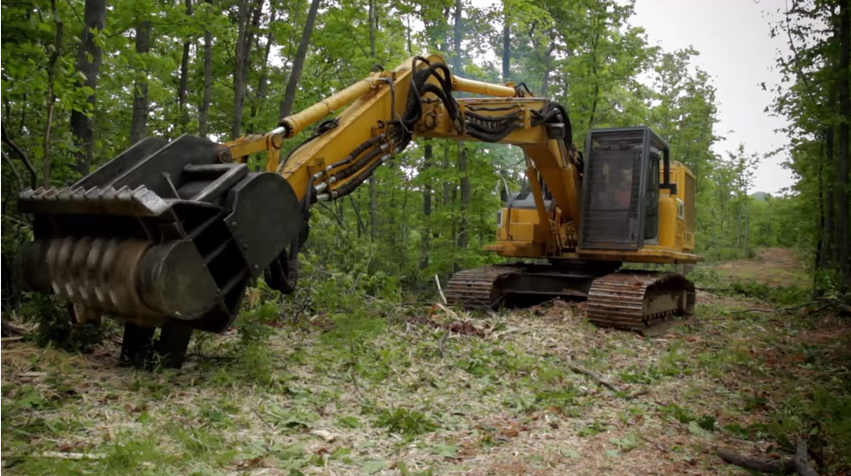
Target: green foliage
56, 326
406, 422
780, 295
561, 399
254, 325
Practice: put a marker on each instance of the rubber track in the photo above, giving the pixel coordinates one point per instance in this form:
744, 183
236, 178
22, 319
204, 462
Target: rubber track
618, 300
474, 288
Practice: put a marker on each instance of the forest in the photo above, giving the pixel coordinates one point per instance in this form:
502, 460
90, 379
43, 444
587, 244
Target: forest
362, 370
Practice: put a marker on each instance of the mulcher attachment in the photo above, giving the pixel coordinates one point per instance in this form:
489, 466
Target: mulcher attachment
165, 235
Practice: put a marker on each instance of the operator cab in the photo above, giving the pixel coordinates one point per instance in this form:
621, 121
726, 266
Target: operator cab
621, 188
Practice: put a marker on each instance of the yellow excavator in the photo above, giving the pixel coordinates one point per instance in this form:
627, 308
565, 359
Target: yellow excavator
168, 235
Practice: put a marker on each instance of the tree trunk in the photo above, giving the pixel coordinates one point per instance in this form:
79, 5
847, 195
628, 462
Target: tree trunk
747, 226
139, 123
391, 220
596, 80
465, 195
447, 185
427, 157
739, 225
462, 150
372, 22
373, 185
373, 208
408, 34
845, 111
819, 236
827, 230
204, 110
361, 226
239, 72
184, 72
263, 82
457, 36
506, 42
51, 92
403, 228
248, 18
298, 63
94, 18
545, 81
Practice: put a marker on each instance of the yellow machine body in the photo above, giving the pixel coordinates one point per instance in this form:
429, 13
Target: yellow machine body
521, 233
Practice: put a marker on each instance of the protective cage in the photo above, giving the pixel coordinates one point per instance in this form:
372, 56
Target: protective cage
620, 196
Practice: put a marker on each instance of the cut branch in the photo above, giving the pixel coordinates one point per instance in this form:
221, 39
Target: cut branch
440, 291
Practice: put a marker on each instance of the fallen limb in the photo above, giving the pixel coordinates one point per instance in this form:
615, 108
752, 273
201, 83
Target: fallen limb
75, 456
797, 464
655, 443
593, 376
802, 466
826, 303
763, 465
634, 395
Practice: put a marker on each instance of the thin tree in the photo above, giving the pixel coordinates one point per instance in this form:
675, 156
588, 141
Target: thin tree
298, 62
184, 71
139, 123
88, 63
844, 85
373, 185
462, 150
204, 110
248, 19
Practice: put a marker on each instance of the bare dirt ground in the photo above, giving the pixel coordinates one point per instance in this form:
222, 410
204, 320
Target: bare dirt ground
392, 396
773, 266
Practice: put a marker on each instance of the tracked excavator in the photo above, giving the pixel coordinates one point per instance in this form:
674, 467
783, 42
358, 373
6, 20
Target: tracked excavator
167, 236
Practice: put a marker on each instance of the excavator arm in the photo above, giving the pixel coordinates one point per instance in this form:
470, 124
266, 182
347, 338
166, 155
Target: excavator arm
170, 234
385, 111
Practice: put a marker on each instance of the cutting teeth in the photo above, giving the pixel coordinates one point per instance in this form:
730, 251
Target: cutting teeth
78, 194
92, 194
96, 272
124, 194
107, 194
41, 193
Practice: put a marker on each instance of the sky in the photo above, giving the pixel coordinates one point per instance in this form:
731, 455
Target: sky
735, 48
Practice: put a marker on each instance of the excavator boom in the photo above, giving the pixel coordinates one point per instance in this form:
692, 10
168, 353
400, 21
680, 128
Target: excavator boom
170, 234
